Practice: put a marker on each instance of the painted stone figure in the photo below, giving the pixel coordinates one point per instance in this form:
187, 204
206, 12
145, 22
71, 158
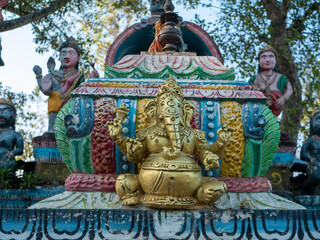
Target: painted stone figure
275, 86
169, 176
58, 84
310, 152
11, 142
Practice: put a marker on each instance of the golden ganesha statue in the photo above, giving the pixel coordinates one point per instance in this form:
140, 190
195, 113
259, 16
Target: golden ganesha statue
169, 176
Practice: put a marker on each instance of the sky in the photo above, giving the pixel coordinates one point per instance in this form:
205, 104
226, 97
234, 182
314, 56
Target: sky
19, 55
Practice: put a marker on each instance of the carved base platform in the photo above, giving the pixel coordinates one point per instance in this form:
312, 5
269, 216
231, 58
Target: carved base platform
118, 224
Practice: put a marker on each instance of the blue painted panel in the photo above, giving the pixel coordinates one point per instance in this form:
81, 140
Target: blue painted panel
80, 122
47, 154
282, 159
210, 123
128, 130
252, 120
155, 224
23, 198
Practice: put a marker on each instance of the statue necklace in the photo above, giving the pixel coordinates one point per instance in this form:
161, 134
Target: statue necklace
267, 82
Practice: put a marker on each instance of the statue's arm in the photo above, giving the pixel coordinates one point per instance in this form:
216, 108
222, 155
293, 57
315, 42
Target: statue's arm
279, 103
19, 145
115, 132
206, 157
288, 91
45, 82
304, 154
136, 149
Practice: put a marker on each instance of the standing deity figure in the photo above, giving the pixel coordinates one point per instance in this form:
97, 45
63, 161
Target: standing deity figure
169, 176
310, 152
275, 86
58, 84
11, 142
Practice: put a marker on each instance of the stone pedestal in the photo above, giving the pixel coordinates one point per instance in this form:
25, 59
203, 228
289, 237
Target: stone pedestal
279, 173
50, 166
52, 173
279, 177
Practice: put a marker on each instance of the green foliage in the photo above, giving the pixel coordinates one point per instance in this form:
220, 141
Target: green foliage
94, 24
292, 27
30, 180
5, 178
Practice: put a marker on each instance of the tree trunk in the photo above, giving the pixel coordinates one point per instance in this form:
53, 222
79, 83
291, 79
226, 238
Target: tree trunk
291, 116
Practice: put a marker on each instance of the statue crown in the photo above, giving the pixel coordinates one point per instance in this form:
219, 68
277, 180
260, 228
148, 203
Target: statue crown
267, 48
71, 42
170, 86
7, 102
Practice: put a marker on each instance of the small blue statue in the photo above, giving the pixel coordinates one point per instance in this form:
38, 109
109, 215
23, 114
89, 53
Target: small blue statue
310, 152
11, 142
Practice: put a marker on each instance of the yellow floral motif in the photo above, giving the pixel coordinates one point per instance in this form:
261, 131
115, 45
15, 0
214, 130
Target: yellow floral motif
231, 162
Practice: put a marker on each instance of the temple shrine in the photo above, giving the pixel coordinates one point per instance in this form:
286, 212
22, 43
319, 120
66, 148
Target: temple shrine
166, 145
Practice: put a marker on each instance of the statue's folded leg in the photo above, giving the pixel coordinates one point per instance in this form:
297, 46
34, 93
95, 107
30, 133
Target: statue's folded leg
128, 189
211, 190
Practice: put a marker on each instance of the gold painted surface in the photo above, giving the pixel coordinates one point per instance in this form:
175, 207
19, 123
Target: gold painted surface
165, 145
231, 162
141, 118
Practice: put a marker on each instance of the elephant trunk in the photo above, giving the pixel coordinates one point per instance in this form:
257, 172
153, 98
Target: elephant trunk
172, 128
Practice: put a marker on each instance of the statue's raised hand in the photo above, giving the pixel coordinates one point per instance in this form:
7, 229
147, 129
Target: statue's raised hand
134, 150
37, 70
115, 128
211, 161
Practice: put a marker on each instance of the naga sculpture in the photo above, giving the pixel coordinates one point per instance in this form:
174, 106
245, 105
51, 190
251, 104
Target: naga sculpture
169, 176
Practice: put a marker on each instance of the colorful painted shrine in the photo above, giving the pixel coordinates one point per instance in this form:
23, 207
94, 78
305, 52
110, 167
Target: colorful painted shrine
94, 160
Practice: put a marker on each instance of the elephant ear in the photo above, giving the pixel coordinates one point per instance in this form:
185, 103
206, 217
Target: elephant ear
187, 112
150, 110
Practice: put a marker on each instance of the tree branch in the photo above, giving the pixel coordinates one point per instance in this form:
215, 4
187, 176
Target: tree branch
297, 25
284, 8
31, 17
11, 8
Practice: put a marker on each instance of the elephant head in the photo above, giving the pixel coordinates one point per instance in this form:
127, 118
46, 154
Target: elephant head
169, 111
